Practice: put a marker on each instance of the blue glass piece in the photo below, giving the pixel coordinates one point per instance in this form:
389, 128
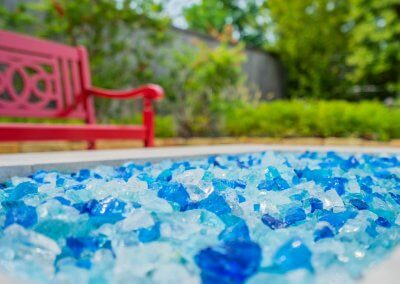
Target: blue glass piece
139, 167
125, 172
299, 196
337, 220
78, 245
230, 262
214, 203
77, 187
222, 184
232, 157
60, 181
241, 198
337, 184
272, 173
371, 230
382, 221
265, 185
365, 183
324, 232
299, 173
238, 183
350, 163
156, 186
147, 235
79, 206
252, 161
318, 176
292, 255
383, 162
176, 193
396, 197
165, 176
186, 165
10, 204
39, 176
286, 163
208, 176
331, 160
213, 161
281, 184
82, 175
236, 229
136, 205
294, 214
19, 213
383, 174
62, 200
308, 155
84, 263
365, 180
23, 189
107, 210
242, 164
272, 222
316, 204
378, 195
359, 204
3, 186
366, 188
277, 184
296, 180
256, 207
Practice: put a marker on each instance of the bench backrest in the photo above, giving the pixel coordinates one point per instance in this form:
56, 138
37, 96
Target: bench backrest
40, 78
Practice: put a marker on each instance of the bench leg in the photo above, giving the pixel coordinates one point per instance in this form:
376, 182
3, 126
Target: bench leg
91, 145
148, 121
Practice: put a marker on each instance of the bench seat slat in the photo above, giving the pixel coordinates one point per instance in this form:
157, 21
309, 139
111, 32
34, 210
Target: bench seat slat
37, 132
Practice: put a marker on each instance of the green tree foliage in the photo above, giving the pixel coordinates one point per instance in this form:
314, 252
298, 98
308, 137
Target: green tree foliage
374, 50
313, 44
105, 27
245, 21
330, 48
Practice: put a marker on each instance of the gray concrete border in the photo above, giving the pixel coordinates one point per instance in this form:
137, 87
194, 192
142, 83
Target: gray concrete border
386, 272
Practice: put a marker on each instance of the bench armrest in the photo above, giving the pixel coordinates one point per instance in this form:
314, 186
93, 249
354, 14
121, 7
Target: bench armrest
152, 92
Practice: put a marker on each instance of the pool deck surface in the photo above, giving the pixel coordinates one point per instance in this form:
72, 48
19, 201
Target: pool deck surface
24, 164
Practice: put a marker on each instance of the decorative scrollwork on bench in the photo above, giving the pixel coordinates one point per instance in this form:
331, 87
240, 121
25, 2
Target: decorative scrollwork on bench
28, 83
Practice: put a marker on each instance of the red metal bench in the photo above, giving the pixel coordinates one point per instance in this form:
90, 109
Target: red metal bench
44, 79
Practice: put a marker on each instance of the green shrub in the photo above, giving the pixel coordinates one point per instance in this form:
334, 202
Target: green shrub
165, 126
368, 120
195, 79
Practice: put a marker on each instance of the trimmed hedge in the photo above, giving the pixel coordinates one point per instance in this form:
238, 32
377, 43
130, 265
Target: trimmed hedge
294, 118
297, 118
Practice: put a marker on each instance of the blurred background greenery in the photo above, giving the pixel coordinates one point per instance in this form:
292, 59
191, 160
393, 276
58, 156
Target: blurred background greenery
341, 62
